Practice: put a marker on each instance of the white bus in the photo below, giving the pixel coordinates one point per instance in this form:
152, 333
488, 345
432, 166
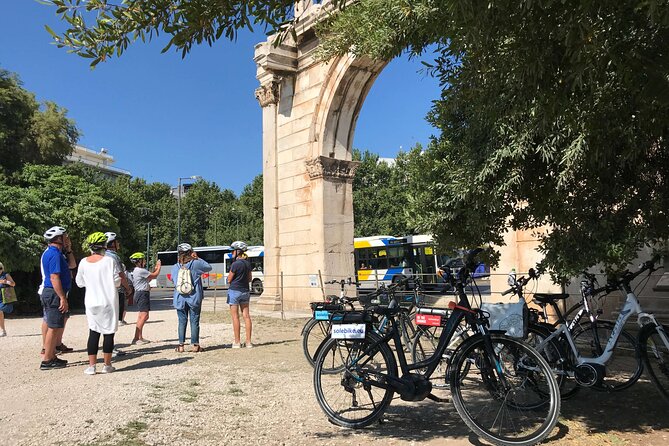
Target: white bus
256, 256
386, 259
219, 259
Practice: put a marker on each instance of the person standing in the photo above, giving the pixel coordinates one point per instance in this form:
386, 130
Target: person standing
100, 275
140, 282
125, 291
6, 281
189, 304
239, 295
56, 263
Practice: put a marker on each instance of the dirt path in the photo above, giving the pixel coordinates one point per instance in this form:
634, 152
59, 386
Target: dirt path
247, 396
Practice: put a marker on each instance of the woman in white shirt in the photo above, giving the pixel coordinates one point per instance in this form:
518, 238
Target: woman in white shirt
140, 282
100, 276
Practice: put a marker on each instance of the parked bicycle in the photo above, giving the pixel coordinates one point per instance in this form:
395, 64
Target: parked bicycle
603, 340
501, 387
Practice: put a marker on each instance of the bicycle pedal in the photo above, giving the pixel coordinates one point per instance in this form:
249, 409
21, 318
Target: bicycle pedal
437, 399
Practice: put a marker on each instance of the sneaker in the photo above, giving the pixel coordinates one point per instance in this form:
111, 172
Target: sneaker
3, 333
143, 341
90, 370
249, 345
108, 369
236, 345
116, 352
64, 348
60, 361
53, 364
122, 323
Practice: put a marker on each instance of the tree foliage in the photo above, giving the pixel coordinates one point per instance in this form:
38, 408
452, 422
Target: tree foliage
553, 114
31, 132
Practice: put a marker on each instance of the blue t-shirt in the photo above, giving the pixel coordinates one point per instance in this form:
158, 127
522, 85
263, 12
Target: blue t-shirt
54, 262
197, 268
241, 268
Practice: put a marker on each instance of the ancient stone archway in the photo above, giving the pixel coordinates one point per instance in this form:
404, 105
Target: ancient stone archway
309, 112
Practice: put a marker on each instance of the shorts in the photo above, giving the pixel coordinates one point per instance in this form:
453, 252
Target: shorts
121, 305
236, 297
143, 301
50, 303
6, 308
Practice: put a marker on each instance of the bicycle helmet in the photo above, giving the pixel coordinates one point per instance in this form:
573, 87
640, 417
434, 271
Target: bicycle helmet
184, 247
136, 257
239, 246
54, 232
111, 236
96, 241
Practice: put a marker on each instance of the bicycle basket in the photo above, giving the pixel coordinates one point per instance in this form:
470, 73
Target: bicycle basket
511, 317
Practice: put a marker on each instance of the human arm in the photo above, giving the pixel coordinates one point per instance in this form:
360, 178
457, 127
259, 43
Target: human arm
155, 272
58, 288
8, 280
67, 252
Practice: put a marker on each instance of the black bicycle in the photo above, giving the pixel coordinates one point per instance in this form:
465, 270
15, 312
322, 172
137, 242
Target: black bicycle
502, 388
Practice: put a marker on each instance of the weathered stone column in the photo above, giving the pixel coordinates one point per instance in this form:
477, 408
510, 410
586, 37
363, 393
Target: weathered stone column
268, 97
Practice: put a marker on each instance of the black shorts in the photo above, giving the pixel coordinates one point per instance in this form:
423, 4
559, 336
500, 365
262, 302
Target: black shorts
142, 300
50, 303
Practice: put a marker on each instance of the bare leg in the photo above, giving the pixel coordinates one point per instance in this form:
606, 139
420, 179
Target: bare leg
107, 358
92, 359
44, 330
142, 317
2, 320
59, 341
248, 326
52, 334
234, 312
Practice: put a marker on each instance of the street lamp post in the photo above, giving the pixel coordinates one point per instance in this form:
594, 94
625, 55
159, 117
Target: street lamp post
194, 177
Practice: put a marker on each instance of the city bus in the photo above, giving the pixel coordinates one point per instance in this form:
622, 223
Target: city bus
219, 258
256, 256
387, 259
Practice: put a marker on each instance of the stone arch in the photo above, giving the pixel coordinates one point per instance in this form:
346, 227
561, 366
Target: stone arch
310, 109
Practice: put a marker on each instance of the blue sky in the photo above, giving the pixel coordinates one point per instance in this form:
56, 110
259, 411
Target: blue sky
162, 117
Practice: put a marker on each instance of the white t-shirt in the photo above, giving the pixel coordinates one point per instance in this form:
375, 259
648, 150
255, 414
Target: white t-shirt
100, 280
140, 279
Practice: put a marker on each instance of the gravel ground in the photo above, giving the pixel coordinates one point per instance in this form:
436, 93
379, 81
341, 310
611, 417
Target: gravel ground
247, 396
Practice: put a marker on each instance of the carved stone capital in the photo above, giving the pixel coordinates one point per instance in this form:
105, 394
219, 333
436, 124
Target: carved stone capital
331, 168
268, 93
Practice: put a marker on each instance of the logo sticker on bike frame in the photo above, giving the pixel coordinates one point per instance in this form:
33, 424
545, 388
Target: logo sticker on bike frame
348, 331
322, 315
431, 320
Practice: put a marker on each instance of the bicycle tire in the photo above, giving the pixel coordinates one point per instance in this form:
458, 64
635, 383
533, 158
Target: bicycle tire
558, 355
349, 397
656, 358
313, 334
625, 366
529, 401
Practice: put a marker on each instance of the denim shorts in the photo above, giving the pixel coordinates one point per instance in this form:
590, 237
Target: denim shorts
236, 297
50, 303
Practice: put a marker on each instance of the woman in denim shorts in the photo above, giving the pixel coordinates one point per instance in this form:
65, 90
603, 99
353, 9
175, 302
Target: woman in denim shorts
239, 293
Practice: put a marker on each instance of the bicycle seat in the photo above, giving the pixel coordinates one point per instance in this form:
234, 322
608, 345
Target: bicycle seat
384, 310
547, 298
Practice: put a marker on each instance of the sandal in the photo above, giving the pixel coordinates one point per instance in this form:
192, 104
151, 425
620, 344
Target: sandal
196, 349
179, 349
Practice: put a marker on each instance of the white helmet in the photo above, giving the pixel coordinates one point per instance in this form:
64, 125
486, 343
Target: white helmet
111, 236
54, 232
184, 247
239, 246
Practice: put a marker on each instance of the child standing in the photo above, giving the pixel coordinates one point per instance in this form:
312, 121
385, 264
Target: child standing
140, 281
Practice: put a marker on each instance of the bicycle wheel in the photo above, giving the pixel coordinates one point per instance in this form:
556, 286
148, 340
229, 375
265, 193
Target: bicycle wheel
313, 334
557, 355
655, 356
624, 367
514, 400
351, 397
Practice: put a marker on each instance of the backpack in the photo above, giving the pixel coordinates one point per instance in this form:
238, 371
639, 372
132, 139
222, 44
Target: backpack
184, 282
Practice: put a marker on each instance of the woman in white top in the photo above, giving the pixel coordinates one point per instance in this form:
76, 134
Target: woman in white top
100, 276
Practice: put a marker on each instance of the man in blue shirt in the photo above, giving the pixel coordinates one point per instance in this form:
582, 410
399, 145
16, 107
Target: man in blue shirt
56, 263
189, 304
